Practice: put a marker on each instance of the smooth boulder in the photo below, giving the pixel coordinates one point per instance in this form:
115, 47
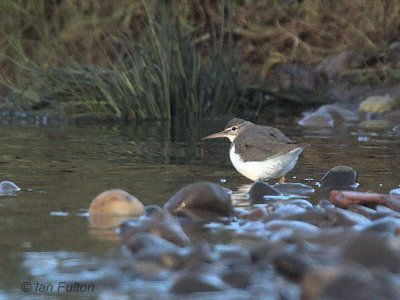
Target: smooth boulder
201, 201
339, 178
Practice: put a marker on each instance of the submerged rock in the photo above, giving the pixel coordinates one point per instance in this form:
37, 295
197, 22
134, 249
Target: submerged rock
338, 113
201, 201
8, 188
189, 282
260, 189
116, 202
298, 189
111, 208
160, 223
339, 178
317, 119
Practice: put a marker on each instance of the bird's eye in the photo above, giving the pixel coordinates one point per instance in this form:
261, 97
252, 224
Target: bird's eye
233, 128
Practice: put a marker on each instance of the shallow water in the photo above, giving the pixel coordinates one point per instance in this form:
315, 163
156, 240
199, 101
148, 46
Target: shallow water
61, 168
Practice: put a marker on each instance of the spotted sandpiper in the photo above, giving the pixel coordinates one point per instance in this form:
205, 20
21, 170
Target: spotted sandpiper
259, 152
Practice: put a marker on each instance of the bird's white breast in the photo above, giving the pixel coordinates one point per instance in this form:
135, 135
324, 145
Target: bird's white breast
274, 167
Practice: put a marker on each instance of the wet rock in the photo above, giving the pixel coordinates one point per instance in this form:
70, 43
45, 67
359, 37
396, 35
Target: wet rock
395, 192
339, 178
379, 104
346, 282
260, 189
198, 255
149, 270
360, 284
234, 254
373, 251
142, 240
297, 226
316, 216
294, 188
318, 120
338, 113
160, 223
388, 225
393, 203
289, 209
190, 282
292, 264
301, 203
316, 279
345, 199
8, 188
367, 212
254, 214
201, 201
332, 66
116, 202
265, 250
342, 217
383, 211
238, 277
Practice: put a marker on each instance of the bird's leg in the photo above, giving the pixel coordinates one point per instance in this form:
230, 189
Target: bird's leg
282, 179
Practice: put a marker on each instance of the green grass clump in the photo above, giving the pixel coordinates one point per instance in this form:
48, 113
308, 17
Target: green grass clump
142, 59
166, 77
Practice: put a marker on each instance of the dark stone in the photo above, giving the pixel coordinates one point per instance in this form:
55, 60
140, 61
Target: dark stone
201, 201
260, 189
349, 282
388, 225
292, 264
143, 240
363, 210
339, 178
150, 209
237, 277
265, 250
372, 250
360, 284
160, 223
294, 188
191, 282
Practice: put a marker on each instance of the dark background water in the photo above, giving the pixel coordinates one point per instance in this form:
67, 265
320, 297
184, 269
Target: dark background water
60, 169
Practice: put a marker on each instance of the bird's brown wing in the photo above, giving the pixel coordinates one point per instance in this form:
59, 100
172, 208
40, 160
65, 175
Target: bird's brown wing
271, 133
254, 146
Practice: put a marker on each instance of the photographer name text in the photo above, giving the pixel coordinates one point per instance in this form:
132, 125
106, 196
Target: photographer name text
58, 287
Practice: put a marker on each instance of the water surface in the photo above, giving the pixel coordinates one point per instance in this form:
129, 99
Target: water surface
61, 168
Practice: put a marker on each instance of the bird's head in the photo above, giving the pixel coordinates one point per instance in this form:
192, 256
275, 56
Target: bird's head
231, 131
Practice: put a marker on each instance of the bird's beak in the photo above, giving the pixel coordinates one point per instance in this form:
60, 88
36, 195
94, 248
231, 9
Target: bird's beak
221, 134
